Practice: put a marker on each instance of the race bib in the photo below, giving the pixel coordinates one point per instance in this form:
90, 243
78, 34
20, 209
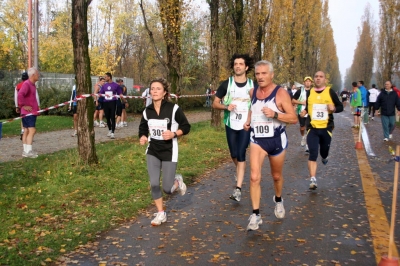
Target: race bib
344, 96
262, 125
109, 95
320, 112
157, 127
239, 115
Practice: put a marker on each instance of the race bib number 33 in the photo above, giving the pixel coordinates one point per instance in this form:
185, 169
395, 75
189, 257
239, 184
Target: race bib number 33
320, 112
157, 127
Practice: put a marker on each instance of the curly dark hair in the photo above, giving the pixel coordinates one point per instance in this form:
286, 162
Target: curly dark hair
165, 85
248, 61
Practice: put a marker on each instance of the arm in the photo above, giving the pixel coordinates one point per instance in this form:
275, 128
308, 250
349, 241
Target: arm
296, 97
221, 92
338, 106
285, 102
184, 126
143, 130
246, 125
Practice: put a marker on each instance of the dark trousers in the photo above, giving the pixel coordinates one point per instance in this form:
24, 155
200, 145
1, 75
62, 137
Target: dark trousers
109, 112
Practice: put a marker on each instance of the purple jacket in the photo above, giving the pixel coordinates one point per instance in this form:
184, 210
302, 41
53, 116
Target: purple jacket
110, 89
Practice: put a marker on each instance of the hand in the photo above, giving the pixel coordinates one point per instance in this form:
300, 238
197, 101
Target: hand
17, 110
331, 108
246, 126
231, 107
303, 113
268, 112
126, 104
168, 135
142, 140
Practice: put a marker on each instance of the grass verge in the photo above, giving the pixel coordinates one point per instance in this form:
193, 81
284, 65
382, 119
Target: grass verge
52, 204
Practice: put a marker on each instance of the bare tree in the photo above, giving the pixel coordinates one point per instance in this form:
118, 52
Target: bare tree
80, 40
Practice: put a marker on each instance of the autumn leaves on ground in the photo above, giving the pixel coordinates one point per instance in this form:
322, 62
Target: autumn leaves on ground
50, 205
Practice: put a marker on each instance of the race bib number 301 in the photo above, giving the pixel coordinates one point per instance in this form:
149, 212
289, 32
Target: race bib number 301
157, 127
320, 112
262, 125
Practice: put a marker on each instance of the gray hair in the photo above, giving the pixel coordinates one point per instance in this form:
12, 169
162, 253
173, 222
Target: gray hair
32, 71
265, 63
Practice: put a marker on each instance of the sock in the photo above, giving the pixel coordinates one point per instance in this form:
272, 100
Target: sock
313, 178
28, 148
25, 148
239, 188
22, 131
257, 212
278, 199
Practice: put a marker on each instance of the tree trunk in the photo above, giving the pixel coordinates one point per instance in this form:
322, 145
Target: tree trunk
80, 41
214, 7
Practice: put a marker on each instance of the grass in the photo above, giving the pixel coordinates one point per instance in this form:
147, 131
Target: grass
52, 204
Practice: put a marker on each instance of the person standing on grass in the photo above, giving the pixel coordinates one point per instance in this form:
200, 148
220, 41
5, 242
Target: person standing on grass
111, 90
233, 96
388, 101
73, 106
17, 88
98, 102
28, 102
161, 125
271, 109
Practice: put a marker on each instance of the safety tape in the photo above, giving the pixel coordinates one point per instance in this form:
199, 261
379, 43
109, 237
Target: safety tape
83, 96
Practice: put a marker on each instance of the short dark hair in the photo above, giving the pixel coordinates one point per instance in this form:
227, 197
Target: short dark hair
354, 84
248, 61
373, 86
361, 81
25, 76
108, 74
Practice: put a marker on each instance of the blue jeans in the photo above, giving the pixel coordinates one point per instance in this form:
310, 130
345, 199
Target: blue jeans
388, 123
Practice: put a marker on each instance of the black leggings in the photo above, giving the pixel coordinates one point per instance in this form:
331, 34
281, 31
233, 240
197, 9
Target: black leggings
109, 112
371, 107
318, 138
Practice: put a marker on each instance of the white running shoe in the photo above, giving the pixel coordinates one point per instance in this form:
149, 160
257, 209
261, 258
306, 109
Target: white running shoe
390, 136
303, 141
96, 124
30, 154
236, 195
385, 139
112, 136
102, 124
161, 217
74, 134
182, 185
279, 209
313, 184
125, 124
307, 150
109, 133
255, 221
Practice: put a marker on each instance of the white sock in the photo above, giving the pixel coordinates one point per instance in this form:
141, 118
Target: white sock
25, 148
28, 148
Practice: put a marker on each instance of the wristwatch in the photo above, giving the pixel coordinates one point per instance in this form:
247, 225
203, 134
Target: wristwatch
175, 135
276, 115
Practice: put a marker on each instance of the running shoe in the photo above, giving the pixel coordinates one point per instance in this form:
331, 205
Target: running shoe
279, 209
313, 184
182, 185
324, 161
237, 195
372, 118
102, 124
385, 139
307, 150
255, 221
303, 141
390, 136
74, 134
112, 136
161, 217
96, 124
20, 136
125, 124
30, 154
109, 133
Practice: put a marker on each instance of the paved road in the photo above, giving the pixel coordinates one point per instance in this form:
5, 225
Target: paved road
341, 223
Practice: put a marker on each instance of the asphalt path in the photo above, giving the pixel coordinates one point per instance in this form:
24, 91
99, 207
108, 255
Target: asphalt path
333, 225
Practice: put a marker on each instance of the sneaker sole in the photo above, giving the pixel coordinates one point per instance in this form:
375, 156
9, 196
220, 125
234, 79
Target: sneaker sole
313, 187
182, 189
233, 198
154, 224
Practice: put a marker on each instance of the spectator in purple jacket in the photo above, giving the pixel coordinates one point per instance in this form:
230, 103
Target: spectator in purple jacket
28, 102
111, 91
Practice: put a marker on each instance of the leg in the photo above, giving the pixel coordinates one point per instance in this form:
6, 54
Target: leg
392, 124
257, 156
385, 126
154, 169
168, 175
241, 145
276, 164
112, 117
76, 122
325, 143
313, 145
107, 113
